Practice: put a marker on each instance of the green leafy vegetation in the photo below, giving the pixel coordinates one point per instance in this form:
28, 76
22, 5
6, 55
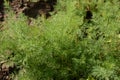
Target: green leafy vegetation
66, 46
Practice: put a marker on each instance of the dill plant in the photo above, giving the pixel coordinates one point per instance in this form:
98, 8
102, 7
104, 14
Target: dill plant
68, 55
65, 46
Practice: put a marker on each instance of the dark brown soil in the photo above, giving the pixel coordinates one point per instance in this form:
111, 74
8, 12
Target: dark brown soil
7, 70
1, 10
30, 9
39, 8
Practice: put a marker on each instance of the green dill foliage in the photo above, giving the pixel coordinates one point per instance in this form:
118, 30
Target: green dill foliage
66, 46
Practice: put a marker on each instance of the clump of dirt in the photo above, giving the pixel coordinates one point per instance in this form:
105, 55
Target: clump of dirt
88, 14
30, 9
7, 70
2, 10
39, 8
